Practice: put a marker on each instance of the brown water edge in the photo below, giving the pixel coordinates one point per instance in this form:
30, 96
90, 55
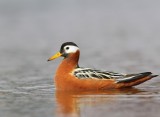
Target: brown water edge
115, 103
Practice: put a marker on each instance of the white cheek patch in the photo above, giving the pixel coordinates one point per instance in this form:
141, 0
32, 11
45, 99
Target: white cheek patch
72, 49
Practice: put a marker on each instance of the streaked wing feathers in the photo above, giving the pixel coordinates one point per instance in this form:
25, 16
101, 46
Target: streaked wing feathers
83, 73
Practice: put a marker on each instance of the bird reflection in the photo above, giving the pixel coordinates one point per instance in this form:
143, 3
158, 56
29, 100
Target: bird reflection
70, 103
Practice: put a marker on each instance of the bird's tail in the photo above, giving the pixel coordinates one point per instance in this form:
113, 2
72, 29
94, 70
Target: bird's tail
135, 79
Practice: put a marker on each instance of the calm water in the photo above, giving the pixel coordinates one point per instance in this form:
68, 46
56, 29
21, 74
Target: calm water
117, 35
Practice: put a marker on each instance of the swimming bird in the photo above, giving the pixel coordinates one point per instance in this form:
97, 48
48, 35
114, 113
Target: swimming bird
69, 76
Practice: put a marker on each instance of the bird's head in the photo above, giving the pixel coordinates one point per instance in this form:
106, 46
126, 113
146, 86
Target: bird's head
65, 50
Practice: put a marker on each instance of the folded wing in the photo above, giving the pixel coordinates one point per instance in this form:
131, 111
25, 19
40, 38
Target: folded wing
84, 73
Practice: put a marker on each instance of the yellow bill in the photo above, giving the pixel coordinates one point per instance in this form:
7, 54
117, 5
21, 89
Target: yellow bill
58, 54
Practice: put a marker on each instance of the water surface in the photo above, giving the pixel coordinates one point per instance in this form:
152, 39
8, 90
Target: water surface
120, 36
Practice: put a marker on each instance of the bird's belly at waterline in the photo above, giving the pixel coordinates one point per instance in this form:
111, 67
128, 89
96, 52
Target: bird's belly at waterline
72, 83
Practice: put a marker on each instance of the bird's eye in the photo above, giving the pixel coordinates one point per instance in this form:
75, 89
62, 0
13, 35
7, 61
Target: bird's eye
67, 48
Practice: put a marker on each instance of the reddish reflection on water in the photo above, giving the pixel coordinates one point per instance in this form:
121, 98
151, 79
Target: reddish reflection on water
76, 104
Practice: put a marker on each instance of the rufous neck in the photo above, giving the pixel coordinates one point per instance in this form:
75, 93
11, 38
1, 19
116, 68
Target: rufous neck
70, 62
